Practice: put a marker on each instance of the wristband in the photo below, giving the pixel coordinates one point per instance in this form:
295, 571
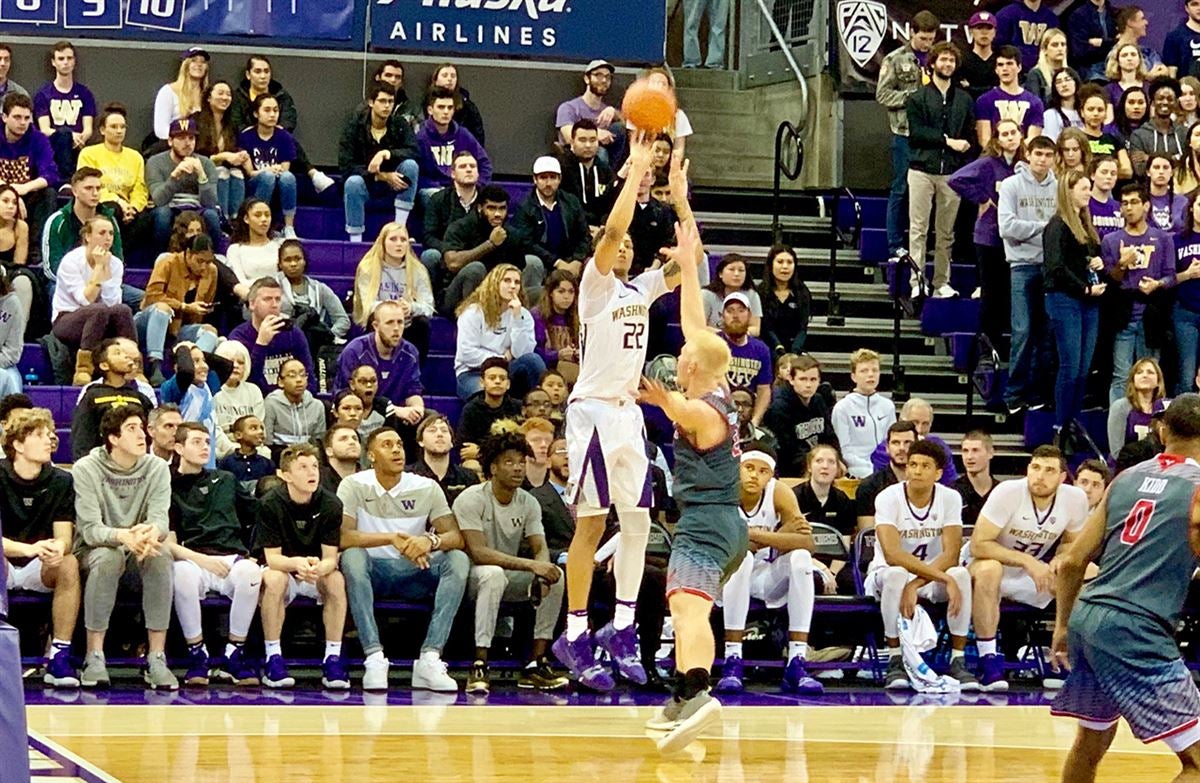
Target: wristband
434, 539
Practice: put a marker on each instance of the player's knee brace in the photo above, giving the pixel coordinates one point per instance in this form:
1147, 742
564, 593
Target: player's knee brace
802, 564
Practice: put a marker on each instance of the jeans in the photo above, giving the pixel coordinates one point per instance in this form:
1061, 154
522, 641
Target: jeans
897, 210
718, 19
66, 157
445, 580
525, 372
357, 191
1028, 333
264, 183
1128, 346
1075, 323
1187, 343
11, 381
164, 217
231, 191
152, 325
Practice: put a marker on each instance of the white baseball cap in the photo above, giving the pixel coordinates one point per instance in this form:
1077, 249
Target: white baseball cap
547, 165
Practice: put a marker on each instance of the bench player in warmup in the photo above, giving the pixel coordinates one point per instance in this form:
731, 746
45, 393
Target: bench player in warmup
606, 434
1118, 638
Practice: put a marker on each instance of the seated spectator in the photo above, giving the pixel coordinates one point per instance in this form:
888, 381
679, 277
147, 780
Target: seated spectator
466, 113
1186, 179
62, 230
378, 159
7, 85
389, 272
27, 162
133, 378
65, 110
476, 244
498, 519
900, 436
584, 175
1130, 414
198, 377
14, 232
1093, 477
236, 398
400, 541
270, 338
820, 501
394, 359
493, 323
597, 80
1132, 26
1160, 133
652, 227
161, 426
113, 390
272, 151
87, 297
556, 324
488, 406
38, 516
750, 367
179, 179
298, 530
246, 462
1181, 49
1062, 107
799, 417
555, 386
1052, 57
1008, 100
253, 252
122, 169
863, 415
976, 481
1138, 451
406, 110
552, 224
538, 433
210, 556
346, 407
364, 383
1091, 29
743, 402
12, 337
920, 413
436, 441
303, 294
181, 98
178, 298
294, 416
786, 303
217, 138
122, 515
1125, 69
661, 160
439, 138
536, 405
451, 203
343, 454
677, 134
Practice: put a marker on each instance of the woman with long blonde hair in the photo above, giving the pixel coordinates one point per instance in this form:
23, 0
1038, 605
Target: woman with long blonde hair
1052, 56
182, 97
1073, 290
390, 271
494, 321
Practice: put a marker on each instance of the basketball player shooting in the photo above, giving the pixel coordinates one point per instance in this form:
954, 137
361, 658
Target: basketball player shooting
606, 439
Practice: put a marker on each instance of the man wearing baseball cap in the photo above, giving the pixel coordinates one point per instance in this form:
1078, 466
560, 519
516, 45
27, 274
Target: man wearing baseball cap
553, 224
597, 80
977, 72
179, 179
750, 367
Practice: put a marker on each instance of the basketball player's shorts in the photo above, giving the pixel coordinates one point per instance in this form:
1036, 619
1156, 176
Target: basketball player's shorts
27, 577
1127, 665
710, 543
606, 448
1015, 584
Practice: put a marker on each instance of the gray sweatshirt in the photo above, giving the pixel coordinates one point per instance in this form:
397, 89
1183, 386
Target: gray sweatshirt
287, 424
109, 497
12, 331
1024, 209
185, 191
320, 298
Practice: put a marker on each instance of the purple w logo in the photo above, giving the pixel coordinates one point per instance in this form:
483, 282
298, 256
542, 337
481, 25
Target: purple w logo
859, 421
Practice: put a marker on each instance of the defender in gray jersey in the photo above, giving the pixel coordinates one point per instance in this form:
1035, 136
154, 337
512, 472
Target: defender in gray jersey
1118, 642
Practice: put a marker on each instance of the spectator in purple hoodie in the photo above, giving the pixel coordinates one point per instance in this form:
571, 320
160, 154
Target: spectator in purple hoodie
1022, 24
27, 161
439, 138
556, 323
920, 413
270, 337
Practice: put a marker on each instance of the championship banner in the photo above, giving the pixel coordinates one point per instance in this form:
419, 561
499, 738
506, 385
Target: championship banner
328, 23
627, 31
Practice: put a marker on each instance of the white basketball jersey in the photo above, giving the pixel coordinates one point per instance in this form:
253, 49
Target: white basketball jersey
764, 516
920, 529
614, 321
1024, 528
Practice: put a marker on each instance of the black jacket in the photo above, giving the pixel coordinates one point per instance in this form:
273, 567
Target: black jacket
477, 418
1065, 264
798, 428
471, 231
358, 145
557, 519
593, 186
241, 110
652, 229
934, 117
1083, 24
468, 116
444, 208
785, 324
529, 221
456, 480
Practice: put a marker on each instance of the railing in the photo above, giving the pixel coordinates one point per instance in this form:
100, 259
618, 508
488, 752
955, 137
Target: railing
768, 54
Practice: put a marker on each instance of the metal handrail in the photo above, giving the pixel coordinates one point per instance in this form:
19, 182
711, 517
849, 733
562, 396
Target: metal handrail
788, 134
777, 34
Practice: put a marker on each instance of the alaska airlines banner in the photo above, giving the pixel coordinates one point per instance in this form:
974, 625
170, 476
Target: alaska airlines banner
631, 31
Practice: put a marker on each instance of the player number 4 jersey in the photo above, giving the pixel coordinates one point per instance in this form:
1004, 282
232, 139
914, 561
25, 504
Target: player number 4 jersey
920, 529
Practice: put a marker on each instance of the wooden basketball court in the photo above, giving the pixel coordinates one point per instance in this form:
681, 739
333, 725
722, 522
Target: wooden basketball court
222, 740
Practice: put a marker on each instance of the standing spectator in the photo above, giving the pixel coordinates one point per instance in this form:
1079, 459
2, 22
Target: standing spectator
900, 75
1141, 259
111, 390
218, 139
1168, 209
977, 74
1186, 315
1160, 133
1093, 106
303, 293
270, 338
976, 481
389, 272
597, 81
493, 322
272, 151
940, 121
439, 138
1022, 23
61, 232
253, 252
122, 169
27, 161
1073, 290
1062, 110
378, 159
1052, 57
799, 416
1181, 49
1125, 69
556, 323
1187, 171
1092, 30
717, 12
394, 359
731, 277
750, 365
786, 303
180, 99
552, 225
585, 175
178, 298
436, 440
1105, 210
1028, 199
1131, 112
294, 416
65, 110
676, 135
7, 85
1143, 395
451, 203
466, 113
179, 180
479, 243
1072, 152
861, 416
1008, 100
1132, 27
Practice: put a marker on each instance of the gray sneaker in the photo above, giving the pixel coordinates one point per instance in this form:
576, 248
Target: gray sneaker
696, 715
158, 675
896, 677
95, 673
959, 671
667, 717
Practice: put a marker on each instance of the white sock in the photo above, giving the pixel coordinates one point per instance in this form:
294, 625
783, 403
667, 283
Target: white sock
577, 625
431, 655
59, 644
402, 215
797, 650
986, 646
332, 648
356, 237
733, 649
273, 648
375, 657
231, 648
954, 654
623, 615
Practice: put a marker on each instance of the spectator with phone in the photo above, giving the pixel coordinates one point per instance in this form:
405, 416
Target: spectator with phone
179, 297
270, 337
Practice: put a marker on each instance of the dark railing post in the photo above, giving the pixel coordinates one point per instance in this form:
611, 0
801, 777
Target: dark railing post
900, 273
834, 317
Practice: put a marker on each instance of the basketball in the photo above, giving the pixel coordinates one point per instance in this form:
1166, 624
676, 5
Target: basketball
647, 107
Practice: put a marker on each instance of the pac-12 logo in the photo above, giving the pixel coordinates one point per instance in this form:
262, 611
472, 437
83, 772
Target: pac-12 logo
861, 24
